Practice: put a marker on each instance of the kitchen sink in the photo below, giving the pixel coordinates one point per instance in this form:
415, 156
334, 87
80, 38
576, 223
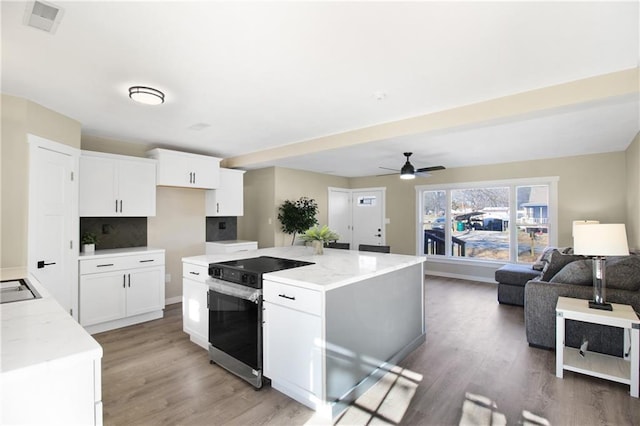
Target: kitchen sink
16, 291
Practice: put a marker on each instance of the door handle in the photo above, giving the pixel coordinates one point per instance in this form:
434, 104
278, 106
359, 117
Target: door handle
42, 264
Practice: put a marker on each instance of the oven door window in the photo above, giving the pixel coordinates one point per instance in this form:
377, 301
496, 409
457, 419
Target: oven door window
234, 327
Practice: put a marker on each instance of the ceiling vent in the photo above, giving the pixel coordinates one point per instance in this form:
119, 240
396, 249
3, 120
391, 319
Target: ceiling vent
43, 16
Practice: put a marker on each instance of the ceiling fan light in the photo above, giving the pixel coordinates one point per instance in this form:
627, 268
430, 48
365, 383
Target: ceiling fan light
407, 171
407, 176
146, 95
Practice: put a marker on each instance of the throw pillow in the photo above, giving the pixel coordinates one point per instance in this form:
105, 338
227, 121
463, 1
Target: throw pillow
579, 272
557, 261
623, 272
543, 259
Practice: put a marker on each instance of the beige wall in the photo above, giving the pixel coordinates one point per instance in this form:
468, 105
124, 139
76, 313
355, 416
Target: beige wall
266, 189
179, 228
293, 184
590, 187
19, 118
260, 220
633, 193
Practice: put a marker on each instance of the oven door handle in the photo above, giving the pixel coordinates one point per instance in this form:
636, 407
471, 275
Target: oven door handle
235, 290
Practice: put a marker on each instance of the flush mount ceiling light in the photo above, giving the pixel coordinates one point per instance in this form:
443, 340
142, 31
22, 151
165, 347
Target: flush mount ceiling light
146, 95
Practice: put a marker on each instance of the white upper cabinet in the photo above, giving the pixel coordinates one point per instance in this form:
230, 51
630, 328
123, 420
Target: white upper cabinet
227, 200
184, 169
116, 185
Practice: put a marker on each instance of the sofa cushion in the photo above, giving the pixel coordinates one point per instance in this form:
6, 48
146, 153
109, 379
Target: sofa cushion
557, 261
544, 257
515, 274
623, 272
578, 272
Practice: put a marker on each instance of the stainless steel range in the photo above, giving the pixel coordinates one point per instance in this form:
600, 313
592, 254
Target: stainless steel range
235, 313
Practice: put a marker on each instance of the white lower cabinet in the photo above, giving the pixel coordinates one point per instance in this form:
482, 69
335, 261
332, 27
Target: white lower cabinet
121, 290
292, 336
195, 313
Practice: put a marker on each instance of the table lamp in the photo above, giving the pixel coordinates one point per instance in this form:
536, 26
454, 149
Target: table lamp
600, 240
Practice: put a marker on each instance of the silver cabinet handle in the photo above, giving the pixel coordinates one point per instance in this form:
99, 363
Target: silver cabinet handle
124, 281
120, 206
217, 207
129, 275
104, 264
116, 206
145, 261
194, 273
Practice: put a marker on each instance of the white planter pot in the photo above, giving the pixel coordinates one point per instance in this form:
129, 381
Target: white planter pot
88, 248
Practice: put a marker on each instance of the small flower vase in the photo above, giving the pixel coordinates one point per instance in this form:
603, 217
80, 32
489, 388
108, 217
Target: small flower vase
317, 246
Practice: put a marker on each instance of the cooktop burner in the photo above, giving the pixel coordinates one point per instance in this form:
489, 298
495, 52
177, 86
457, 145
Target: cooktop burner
249, 271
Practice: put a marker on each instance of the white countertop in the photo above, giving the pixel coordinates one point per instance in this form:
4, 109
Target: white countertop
335, 268
40, 331
119, 252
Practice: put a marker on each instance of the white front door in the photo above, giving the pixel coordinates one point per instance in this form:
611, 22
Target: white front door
339, 209
53, 222
368, 217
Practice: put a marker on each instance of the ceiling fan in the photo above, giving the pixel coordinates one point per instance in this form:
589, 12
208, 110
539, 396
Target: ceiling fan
410, 172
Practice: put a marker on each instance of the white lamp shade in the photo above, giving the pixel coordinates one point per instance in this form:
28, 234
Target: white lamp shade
608, 239
581, 222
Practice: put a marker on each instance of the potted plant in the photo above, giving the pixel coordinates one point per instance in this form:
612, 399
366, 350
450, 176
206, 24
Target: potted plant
297, 216
319, 237
89, 241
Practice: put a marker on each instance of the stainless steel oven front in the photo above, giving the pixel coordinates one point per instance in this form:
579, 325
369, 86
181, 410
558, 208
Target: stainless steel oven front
235, 329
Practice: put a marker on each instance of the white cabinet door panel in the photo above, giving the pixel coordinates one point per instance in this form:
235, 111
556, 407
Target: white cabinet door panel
227, 200
102, 297
291, 347
137, 188
195, 313
145, 290
97, 187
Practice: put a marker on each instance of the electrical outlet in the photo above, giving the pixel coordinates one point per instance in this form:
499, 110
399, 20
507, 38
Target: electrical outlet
167, 278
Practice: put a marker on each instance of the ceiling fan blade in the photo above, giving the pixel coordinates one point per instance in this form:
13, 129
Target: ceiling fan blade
387, 174
386, 168
430, 169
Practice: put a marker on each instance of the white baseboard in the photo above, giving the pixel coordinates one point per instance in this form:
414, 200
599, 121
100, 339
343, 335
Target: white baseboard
461, 276
123, 322
172, 300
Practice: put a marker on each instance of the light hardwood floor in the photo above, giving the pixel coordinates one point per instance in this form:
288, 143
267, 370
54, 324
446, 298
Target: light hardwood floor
153, 375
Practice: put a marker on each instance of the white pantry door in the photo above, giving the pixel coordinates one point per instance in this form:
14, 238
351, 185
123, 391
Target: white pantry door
53, 220
340, 213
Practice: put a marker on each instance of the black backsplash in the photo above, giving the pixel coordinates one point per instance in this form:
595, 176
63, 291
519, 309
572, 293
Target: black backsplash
116, 232
222, 228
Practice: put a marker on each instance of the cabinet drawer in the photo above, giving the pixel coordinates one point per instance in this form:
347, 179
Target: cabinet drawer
195, 272
301, 299
116, 263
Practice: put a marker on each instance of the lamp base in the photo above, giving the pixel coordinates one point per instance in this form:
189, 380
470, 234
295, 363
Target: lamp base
601, 306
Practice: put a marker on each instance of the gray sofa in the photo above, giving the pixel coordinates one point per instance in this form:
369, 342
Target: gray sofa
512, 278
574, 279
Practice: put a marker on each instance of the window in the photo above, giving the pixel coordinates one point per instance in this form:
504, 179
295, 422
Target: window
492, 221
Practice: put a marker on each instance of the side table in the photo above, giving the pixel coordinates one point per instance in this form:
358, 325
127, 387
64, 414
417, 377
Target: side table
623, 370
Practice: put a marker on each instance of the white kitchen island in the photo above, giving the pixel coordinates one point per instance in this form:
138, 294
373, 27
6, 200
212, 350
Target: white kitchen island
50, 369
331, 329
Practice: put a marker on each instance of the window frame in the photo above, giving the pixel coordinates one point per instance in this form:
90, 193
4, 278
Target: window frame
512, 184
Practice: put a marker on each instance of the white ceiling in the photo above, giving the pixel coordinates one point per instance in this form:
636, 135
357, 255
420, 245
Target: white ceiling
266, 74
